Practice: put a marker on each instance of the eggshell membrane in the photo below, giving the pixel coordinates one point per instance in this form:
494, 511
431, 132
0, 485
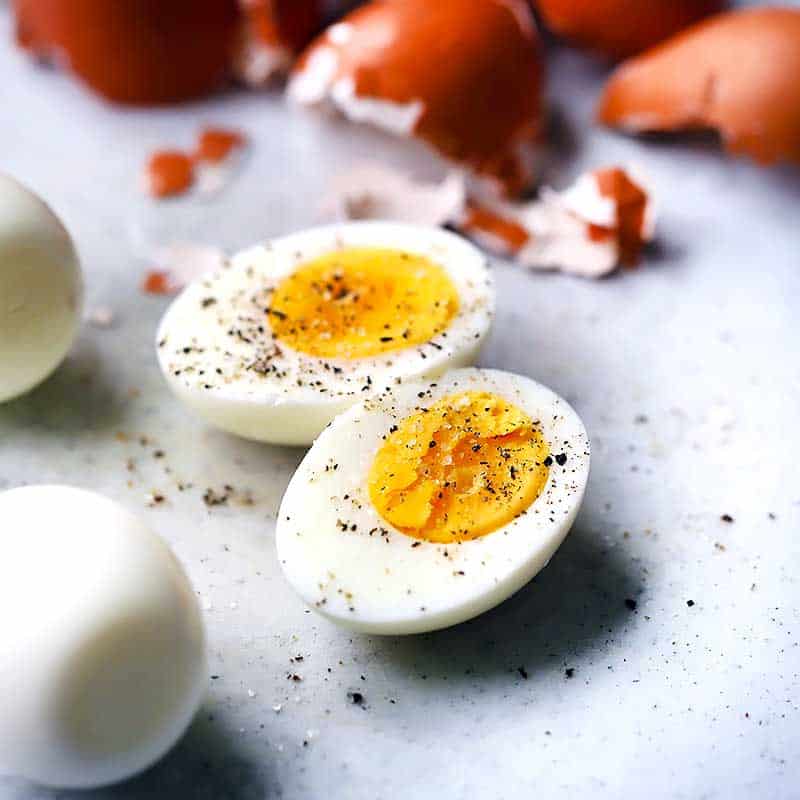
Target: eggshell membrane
737, 73
134, 51
622, 28
468, 72
388, 582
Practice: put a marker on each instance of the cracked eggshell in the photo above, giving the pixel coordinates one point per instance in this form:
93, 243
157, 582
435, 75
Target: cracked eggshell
272, 33
373, 191
41, 290
737, 73
622, 28
134, 51
465, 76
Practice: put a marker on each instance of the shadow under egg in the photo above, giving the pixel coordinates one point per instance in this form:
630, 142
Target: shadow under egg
77, 397
580, 601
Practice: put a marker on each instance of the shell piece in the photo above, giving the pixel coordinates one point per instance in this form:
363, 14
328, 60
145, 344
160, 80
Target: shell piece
134, 51
600, 222
737, 73
622, 28
465, 76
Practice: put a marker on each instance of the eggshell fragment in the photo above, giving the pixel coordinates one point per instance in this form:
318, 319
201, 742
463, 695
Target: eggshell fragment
168, 172
210, 165
738, 74
465, 76
600, 222
134, 51
372, 191
622, 28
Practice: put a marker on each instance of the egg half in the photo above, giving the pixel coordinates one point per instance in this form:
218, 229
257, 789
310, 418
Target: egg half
431, 503
293, 332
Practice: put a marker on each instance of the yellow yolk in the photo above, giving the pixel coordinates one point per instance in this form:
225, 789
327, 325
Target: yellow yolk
464, 467
362, 302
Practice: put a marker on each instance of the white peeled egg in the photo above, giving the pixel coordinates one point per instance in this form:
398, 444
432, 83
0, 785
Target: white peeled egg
351, 564
40, 290
102, 658
222, 353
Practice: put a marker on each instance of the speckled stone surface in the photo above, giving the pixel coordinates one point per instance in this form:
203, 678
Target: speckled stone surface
686, 373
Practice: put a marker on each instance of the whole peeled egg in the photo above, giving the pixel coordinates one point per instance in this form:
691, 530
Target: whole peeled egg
102, 661
40, 290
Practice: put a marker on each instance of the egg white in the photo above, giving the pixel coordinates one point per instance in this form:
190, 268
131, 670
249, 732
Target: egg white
217, 351
353, 567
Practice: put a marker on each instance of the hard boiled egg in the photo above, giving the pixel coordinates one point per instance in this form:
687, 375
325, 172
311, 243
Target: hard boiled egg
131, 51
431, 503
40, 290
295, 331
102, 659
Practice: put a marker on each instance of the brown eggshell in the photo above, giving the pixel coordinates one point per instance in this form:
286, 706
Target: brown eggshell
272, 33
622, 28
473, 67
737, 73
134, 51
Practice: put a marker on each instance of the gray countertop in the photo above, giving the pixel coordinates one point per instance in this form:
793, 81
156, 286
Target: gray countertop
686, 374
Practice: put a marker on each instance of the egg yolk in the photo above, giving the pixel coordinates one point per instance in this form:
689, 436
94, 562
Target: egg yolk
361, 302
460, 468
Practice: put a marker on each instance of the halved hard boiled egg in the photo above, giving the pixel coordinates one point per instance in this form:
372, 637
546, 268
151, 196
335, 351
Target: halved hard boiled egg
431, 503
293, 332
